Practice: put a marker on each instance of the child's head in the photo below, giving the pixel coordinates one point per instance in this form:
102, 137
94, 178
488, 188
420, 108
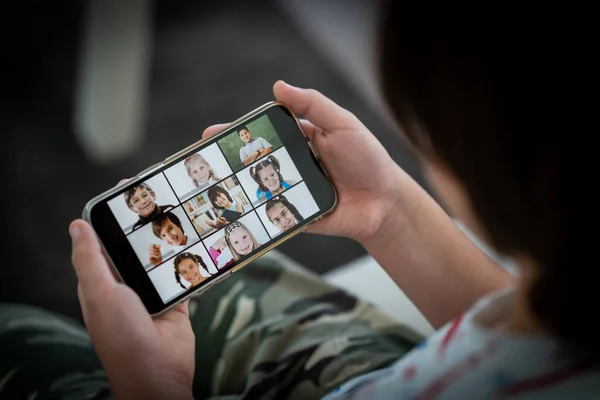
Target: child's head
481, 123
187, 265
240, 240
168, 228
266, 174
283, 214
219, 197
245, 135
141, 199
199, 169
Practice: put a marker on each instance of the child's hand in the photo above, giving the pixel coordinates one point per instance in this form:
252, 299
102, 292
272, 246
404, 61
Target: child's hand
220, 244
154, 254
143, 358
368, 182
220, 222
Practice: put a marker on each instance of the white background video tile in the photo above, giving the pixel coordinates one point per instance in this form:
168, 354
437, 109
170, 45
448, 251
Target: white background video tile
127, 218
287, 169
184, 186
143, 238
299, 197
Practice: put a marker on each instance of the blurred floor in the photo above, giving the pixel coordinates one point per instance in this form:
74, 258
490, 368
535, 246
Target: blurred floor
210, 64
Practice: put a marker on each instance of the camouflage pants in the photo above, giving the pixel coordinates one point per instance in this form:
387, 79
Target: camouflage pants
272, 330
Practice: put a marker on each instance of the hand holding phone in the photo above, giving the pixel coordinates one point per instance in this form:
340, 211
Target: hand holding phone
148, 221
126, 340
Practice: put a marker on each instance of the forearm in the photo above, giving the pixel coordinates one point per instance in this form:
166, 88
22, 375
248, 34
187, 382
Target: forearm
430, 258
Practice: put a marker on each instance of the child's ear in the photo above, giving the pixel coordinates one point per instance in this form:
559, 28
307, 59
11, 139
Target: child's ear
131, 208
153, 195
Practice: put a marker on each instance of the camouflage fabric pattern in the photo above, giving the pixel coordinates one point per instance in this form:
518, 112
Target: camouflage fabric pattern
271, 331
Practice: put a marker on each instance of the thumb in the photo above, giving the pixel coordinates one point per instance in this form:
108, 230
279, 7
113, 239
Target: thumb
90, 265
314, 106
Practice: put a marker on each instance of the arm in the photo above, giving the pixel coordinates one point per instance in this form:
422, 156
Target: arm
264, 151
405, 230
239, 208
266, 147
436, 265
250, 159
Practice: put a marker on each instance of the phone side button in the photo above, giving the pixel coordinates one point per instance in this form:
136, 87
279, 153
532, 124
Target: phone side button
313, 149
222, 278
149, 169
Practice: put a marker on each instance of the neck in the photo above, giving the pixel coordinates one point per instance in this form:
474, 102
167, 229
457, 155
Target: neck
519, 316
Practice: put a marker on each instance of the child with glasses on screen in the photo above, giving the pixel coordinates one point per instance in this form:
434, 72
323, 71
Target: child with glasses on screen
283, 214
141, 199
269, 179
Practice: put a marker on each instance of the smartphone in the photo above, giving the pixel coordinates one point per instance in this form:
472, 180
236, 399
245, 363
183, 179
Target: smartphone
187, 223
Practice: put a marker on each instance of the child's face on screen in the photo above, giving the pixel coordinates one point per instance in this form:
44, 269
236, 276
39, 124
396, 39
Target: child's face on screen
222, 201
245, 136
190, 271
281, 217
269, 178
241, 241
142, 202
199, 171
172, 234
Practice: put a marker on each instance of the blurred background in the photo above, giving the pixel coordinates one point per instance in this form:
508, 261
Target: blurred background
93, 92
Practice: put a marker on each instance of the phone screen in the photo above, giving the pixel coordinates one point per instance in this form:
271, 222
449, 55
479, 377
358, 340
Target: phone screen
202, 215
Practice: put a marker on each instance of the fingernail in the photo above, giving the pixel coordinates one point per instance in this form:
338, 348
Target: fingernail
75, 232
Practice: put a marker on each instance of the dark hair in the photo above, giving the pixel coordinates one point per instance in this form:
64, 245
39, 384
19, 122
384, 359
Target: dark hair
271, 160
484, 104
245, 127
214, 191
191, 256
130, 192
281, 199
162, 220
230, 228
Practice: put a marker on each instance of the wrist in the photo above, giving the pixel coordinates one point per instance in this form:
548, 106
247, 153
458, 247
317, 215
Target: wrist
392, 217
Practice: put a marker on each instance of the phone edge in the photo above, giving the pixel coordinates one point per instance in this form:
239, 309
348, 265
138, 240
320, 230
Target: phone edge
86, 213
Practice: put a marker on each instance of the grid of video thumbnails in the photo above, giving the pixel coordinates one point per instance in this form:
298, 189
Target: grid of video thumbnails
218, 205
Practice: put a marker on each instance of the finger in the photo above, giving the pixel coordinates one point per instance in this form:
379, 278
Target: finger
312, 132
122, 181
314, 106
213, 130
90, 265
178, 314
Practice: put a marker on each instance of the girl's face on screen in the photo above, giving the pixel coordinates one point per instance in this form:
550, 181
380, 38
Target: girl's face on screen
190, 271
281, 217
222, 201
269, 178
199, 171
241, 241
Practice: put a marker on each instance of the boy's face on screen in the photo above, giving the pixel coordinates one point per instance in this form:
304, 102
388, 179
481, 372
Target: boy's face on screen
142, 202
190, 271
241, 241
245, 136
281, 217
172, 234
270, 178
